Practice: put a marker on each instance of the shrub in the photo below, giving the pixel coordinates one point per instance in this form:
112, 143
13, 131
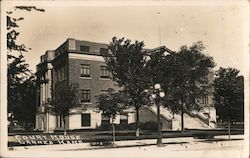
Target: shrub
105, 126
149, 125
131, 126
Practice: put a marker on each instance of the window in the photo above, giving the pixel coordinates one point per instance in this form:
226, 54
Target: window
104, 50
59, 121
205, 100
85, 120
58, 75
85, 96
61, 73
104, 72
84, 48
85, 70
105, 119
124, 119
104, 91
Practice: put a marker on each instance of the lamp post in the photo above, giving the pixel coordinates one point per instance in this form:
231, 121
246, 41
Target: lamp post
156, 96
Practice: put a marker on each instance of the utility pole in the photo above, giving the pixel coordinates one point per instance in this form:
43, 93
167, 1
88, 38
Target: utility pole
159, 23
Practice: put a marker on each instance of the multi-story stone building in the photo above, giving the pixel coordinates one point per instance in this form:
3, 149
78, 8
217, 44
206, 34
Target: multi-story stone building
82, 62
44, 93
75, 62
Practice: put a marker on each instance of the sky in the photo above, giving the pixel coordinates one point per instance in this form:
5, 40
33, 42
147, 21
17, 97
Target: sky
220, 26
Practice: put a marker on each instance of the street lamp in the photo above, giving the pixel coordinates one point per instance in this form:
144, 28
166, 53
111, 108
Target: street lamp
158, 93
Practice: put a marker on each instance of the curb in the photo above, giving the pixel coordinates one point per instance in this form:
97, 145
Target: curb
125, 144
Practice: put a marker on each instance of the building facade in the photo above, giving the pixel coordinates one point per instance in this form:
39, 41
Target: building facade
81, 62
75, 62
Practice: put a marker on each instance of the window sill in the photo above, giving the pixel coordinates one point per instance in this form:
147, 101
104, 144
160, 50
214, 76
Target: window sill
86, 78
104, 78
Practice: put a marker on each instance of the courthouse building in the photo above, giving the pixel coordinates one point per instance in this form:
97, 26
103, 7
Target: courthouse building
77, 61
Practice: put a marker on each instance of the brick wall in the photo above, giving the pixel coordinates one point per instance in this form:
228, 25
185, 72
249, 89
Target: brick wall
94, 83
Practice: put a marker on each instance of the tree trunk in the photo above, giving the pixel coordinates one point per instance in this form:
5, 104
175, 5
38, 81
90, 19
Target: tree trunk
48, 121
182, 117
113, 129
25, 125
229, 132
137, 123
64, 126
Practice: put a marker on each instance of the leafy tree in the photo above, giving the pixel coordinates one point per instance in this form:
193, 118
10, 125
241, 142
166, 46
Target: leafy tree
18, 72
30, 8
66, 98
184, 77
126, 62
24, 110
21, 82
111, 104
12, 32
229, 95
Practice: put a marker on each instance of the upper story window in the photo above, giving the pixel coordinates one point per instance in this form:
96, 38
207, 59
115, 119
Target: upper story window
104, 50
104, 72
85, 70
85, 96
64, 72
61, 49
61, 73
104, 91
58, 72
84, 48
205, 99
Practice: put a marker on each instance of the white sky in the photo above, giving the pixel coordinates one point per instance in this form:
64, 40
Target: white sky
222, 27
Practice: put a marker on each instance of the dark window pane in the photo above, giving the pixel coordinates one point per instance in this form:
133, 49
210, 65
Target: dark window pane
105, 117
85, 70
123, 122
85, 96
104, 91
124, 119
205, 99
103, 50
85, 120
84, 48
104, 73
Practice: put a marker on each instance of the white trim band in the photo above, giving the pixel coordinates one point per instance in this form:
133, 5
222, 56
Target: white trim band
86, 57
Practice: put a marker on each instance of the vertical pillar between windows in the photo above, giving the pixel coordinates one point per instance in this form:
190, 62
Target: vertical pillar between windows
49, 83
41, 94
46, 87
43, 90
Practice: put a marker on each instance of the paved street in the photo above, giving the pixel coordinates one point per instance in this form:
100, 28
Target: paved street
175, 147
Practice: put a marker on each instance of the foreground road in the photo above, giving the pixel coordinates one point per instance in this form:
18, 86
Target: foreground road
231, 149
175, 147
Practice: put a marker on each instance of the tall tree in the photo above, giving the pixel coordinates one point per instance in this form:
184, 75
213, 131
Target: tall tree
111, 104
18, 72
229, 95
21, 82
24, 110
14, 48
185, 77
126, 62
66, 98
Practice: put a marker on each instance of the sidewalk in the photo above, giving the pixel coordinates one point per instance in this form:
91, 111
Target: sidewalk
183, 142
